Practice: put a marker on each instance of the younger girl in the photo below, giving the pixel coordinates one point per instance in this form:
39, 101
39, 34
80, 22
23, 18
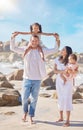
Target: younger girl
71, 69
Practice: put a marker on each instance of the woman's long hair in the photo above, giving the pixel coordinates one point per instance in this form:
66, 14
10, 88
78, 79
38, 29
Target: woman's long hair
69, 51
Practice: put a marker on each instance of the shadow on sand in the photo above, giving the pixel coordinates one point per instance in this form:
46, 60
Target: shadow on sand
72, 123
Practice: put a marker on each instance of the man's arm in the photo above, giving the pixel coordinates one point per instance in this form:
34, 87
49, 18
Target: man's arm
55, 49
13, 47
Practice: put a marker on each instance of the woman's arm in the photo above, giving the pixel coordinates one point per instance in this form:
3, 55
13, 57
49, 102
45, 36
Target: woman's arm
56, 71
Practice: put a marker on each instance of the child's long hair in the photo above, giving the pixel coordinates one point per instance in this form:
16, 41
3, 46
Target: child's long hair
37, 24
38, 47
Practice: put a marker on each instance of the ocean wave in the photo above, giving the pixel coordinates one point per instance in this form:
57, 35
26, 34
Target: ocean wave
7, 67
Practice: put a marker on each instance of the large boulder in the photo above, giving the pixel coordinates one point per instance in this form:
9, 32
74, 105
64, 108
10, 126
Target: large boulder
80, 59
77, 95
6, 84
1, 46
80, 89
17, 75
2, 77
23, 42
6, 46
14, 57
47, 81
9, 97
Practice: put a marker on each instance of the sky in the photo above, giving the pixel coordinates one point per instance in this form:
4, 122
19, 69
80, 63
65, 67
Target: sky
62, 16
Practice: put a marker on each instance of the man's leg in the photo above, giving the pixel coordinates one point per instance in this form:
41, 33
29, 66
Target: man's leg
25, 95
34, 96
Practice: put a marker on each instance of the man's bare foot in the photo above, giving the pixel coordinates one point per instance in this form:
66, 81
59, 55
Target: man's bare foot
59, 120
31, 121
24, 117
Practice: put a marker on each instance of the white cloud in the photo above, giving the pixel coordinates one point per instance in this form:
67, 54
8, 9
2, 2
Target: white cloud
79, 26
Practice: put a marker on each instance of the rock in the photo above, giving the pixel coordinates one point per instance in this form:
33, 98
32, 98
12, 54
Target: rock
10, 76
2, 77
17, 75
6, 46
1, 46
47, 81
6, 84
80, 58
80, 89
23, 42
51, 73
80, 69
14, 57
4, 56
44, 95
9, 97
77, 101
77, 95
9, 113
50, 88
54, 95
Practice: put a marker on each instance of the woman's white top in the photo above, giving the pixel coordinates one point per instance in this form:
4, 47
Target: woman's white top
34, 66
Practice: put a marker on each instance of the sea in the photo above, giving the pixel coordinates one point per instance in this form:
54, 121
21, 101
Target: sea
7, 68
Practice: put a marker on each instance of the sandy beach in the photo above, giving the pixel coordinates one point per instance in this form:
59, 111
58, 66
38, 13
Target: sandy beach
45, 117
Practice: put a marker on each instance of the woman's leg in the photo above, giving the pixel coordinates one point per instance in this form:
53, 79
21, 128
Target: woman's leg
61, 116
68, 119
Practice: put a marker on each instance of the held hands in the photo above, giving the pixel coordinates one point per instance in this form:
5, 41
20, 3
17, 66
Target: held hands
14, 34
56, 35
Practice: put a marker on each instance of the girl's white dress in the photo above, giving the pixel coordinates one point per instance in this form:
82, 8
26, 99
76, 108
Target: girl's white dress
64, 91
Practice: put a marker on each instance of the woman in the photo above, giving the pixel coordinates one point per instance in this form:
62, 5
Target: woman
64, 91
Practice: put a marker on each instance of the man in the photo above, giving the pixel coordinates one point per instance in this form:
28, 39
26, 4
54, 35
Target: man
34, 71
